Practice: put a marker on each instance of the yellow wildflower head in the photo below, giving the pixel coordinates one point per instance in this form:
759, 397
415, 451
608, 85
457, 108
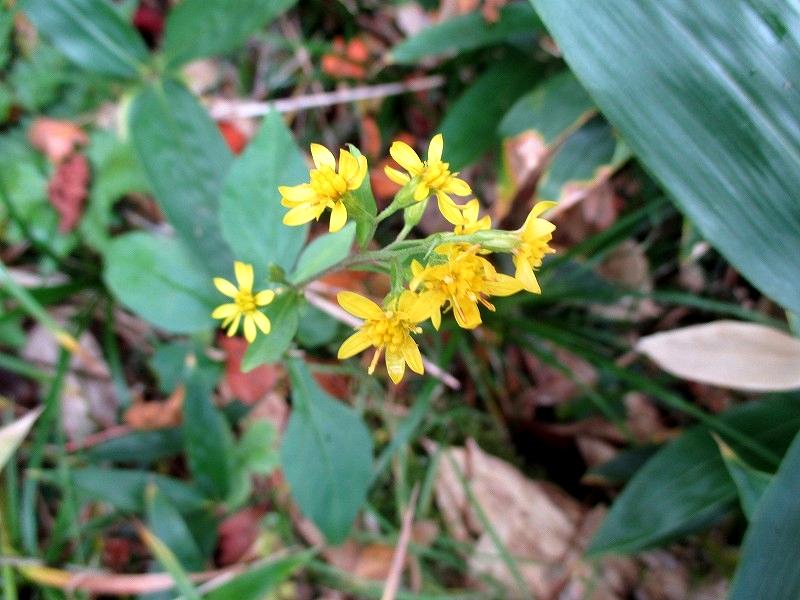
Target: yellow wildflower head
245, 303
469, 222
387, 330
326, 189
431, 176
460, 283
534, 243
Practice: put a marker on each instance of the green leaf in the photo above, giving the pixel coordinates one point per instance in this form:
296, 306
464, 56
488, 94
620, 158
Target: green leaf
138, 447
468, 32
554, 107
324, 252
770, 553
326, 456
160, 280
198, 28
720, 134
251, 214
168, 525
588, 154
316, 327
470, 127
125, 489
361, 207
686, 486
11, 435
283, 314
186, 161
91, 34
256, 449
258, 581
209, 443
750, 482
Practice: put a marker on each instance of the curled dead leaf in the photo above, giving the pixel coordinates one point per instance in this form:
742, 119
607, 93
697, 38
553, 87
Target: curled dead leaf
157, 415
56, 138
68, 189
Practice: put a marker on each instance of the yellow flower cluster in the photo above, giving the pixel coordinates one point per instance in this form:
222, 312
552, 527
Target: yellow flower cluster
457, 275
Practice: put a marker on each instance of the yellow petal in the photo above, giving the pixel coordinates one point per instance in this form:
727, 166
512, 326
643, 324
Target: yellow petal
419, 307
249, 328
358, 342
471, 210
449, 209
435, 149
244, 276
457, 186
524, 274
540, 228
322, 157
362, 172
359, 306
396, 176
234, 324
348, 165
421, 192
225, 287
541, 207
503, 285
406, 157
302, 214
395, 364
297, 193
338, 217
262, 322
412, 356
264, 297
466, 312
436, 318
225, 311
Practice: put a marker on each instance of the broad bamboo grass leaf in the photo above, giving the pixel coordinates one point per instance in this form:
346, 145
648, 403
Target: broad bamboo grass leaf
470, 126
250, 209
284, 314
323, 253
258, 581
724, 142
557, 105
167, 524
92, 34
468, 32
161, 280
686, 486
750, 482
770, 553
138, 447
326, 456
198, 28
186, 161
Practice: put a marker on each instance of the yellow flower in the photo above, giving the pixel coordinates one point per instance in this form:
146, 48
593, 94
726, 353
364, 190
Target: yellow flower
326, 189
462, 282
387, 330
469, 222
534, 237
245, 303
431, 176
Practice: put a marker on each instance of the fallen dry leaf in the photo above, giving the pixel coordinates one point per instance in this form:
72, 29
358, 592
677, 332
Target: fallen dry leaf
89, 401
545, 528
731, 354
55, 138
157, 414
238, 533
68, 189
248, 387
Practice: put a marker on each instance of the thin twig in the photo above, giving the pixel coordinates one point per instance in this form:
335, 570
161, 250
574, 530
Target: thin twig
399, 557
344, 317
230, 109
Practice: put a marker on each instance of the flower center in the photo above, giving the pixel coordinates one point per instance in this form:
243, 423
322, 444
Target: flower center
436, 174
389, 332
535, 249
328, 183
245, 301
